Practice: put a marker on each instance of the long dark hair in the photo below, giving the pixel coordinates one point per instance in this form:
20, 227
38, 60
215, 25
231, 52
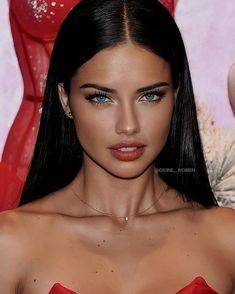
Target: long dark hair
91, 26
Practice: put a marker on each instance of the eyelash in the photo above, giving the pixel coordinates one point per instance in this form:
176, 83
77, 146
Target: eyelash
90, 97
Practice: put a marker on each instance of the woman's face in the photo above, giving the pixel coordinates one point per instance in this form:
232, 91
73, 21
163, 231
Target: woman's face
122, 101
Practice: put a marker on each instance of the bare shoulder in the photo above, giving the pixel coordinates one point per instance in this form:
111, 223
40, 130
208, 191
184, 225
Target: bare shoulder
219, 225
12, 252
19, 235
220, 221
17, 222
11, 228
21, 222
222, 217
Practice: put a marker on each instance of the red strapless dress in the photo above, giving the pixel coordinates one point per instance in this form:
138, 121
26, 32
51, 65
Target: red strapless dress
198, 286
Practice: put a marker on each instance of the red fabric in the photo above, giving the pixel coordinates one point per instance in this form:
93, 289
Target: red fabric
58, 289
198, 286
10, 187
169, 4
34, 26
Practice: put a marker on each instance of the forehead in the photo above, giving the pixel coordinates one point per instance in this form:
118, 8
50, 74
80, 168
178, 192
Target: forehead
124, 63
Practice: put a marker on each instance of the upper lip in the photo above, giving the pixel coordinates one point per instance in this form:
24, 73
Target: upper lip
127, 144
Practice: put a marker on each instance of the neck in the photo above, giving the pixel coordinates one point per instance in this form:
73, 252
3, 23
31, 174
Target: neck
104, 194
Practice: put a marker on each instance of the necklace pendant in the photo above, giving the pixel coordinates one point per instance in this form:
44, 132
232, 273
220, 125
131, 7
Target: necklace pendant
126, 218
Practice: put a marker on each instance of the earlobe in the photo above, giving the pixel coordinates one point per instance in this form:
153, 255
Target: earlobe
64, 100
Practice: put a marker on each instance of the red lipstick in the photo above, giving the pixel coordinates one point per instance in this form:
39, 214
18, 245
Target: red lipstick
127, 151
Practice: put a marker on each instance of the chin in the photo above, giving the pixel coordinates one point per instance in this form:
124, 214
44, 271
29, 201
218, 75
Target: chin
128, 172
123, 169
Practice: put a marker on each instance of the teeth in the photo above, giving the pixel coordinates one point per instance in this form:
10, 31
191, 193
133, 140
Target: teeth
128, 149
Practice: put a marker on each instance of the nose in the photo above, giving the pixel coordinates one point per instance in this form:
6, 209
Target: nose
127, 122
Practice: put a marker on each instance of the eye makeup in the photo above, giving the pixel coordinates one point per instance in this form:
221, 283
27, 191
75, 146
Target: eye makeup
100, 98
149, 96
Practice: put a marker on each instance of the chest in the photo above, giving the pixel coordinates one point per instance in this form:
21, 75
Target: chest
121, 264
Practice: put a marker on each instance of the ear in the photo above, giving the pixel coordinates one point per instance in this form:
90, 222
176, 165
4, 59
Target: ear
64, 100
176, 91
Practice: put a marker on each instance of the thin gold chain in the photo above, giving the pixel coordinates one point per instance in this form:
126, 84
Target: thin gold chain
122, 217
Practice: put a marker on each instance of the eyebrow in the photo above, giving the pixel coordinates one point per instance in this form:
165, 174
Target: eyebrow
140, 90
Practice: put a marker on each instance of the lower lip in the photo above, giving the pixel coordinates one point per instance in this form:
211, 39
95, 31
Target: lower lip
127, 155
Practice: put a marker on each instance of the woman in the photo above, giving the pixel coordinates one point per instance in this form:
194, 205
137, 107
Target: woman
119, 157
34, 28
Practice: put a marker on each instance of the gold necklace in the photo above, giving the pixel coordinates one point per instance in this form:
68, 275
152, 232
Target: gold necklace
121, 217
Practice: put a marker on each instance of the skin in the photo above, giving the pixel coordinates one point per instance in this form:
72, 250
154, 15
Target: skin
60, 239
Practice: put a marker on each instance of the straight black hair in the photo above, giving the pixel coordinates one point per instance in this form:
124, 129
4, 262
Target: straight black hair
93, 25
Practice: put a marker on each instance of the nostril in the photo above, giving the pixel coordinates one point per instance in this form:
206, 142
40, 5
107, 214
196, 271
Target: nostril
127, 121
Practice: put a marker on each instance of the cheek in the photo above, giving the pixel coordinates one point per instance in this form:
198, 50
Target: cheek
157, 123
91, 127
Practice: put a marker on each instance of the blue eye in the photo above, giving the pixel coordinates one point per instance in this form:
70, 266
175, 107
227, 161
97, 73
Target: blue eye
153, 96
101, 98
98, 98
